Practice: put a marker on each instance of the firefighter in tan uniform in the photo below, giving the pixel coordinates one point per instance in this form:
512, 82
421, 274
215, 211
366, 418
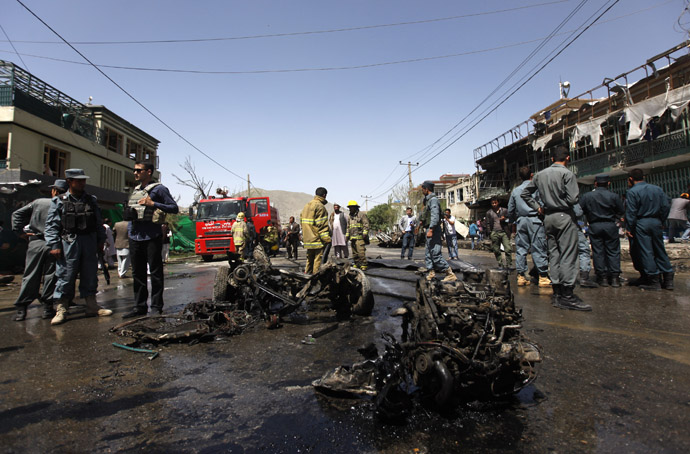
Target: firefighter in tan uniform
315, 232
240, 235
358, 234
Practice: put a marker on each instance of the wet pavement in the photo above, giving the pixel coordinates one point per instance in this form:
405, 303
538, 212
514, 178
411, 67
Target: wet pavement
613, 380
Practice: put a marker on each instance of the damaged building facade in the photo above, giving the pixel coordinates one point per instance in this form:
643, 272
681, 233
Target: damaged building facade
637, 119
43, 132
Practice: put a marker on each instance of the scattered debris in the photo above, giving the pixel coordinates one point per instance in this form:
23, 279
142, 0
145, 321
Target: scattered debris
461, 341
246, 292
393, 240
258, 288
201, 320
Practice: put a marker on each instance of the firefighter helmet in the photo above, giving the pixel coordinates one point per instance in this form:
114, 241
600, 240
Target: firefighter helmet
352, 203
240, 215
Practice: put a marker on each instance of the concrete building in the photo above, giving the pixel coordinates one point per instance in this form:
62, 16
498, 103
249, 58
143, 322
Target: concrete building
43, 132
638, 119
459, 195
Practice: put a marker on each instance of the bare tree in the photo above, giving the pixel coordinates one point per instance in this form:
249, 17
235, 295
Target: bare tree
405, 195
201, 187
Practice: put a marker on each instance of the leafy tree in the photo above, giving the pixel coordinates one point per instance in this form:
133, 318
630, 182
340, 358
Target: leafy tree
382, 217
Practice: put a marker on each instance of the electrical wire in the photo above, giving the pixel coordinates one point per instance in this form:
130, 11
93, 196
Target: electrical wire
519, 87
12, 44
543, 43
170, 128
506, 98
333, 68
314, 32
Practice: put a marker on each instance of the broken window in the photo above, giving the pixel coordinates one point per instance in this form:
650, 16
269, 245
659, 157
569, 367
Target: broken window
55, 161
134, 150
113, 140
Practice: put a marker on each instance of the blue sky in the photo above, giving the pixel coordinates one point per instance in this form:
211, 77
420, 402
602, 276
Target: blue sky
342, 129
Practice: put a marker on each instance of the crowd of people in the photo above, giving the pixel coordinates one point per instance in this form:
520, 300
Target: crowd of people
66, 237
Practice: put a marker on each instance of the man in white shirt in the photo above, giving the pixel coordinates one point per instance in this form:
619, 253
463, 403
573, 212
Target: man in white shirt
451, 236
408, 223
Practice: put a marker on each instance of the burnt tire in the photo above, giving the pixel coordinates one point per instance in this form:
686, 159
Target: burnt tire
220, 285
362, 300
207, 258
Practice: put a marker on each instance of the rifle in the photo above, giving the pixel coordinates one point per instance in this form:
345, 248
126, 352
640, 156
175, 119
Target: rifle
104, 266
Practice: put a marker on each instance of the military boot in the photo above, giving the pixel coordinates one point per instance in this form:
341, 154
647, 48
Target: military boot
450, 276
93, 309
430, 275
568, 300
544, 281
48, 311
61, 313
522, 281
653, 283
638, 281
615, 280
668, 281
602, 280
585, 282
556, 292
20, 315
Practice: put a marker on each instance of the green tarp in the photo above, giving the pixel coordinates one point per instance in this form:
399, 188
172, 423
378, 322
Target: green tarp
182, 227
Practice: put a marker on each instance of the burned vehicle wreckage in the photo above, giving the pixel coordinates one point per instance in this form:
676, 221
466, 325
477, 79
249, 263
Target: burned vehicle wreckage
245, 292
460, 341
259, 288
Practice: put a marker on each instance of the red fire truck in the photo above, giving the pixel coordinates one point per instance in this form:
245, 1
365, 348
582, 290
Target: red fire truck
215, 217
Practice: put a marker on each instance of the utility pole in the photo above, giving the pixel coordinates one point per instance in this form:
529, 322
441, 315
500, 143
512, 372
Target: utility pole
249, 187
366, 201
409, 170
409, 175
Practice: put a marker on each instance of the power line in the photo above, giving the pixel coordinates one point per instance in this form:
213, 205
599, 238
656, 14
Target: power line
15, 49
130, 95
515, 70
520, 86
314, 32
429, 147
333, 68
506, 98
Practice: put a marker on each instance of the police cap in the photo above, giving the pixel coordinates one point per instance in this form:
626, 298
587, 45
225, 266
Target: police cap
60, 185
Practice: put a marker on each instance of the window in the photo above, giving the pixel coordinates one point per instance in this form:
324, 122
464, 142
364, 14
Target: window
111, 178
55, 161
451, 197
149, 155
461, 194
113, 140
134, 150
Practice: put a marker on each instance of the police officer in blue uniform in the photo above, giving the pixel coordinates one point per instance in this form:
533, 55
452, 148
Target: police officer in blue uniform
602, 209
529, 233
584, 253
559, 193
75, 234
647, 208
29, 222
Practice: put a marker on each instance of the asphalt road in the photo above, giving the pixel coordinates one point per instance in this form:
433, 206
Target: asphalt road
613, 380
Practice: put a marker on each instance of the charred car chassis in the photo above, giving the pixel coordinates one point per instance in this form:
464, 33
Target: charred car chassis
257, 287
460, 341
